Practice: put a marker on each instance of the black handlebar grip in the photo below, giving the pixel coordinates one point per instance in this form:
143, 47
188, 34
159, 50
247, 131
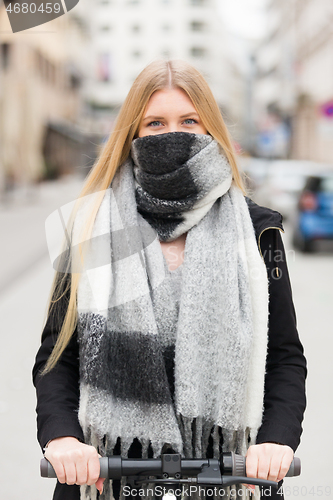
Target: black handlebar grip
104, 464
295, 468
239, 466
46, 469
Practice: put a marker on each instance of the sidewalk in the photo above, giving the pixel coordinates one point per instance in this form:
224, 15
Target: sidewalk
22, 225
25, 280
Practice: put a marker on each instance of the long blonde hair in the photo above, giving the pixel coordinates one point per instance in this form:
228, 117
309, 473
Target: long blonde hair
156, 76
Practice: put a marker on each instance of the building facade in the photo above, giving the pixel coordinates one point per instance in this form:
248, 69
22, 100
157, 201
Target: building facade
129, 34
39, 99
294, 80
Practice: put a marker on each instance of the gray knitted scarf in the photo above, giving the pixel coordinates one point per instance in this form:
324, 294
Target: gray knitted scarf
172, 183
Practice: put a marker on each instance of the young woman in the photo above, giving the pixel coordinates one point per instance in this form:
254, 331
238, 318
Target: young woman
175, 327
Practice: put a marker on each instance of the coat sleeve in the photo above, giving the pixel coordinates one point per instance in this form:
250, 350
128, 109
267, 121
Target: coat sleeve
286, 370
58, 390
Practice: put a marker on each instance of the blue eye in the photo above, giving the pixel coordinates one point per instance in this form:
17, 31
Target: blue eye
156, 123
190, 121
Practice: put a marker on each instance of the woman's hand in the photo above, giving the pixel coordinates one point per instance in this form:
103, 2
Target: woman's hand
268, 461
74, 462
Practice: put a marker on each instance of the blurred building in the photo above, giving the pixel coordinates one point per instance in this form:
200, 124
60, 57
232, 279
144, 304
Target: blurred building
128, 34
40, 79
237, 82
294, 81
64, 86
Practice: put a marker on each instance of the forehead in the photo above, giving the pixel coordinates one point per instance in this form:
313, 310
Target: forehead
166, 100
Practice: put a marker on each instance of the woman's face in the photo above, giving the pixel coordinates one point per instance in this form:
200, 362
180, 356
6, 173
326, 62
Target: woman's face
170, 110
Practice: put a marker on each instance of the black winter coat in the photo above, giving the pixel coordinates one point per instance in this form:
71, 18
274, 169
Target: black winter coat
284, 398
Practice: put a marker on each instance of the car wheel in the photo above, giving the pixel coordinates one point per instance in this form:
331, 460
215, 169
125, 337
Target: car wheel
300, 243
308, 246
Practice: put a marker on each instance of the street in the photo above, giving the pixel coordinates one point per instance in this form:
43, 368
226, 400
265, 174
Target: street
311, 278
23, 302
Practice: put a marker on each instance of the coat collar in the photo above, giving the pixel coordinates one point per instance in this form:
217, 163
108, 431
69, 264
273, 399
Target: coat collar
263, 218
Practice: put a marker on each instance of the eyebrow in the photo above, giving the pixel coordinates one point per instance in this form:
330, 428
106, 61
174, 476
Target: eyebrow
153, 117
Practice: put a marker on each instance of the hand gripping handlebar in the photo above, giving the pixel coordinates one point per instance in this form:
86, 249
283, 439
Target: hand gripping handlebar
172, 469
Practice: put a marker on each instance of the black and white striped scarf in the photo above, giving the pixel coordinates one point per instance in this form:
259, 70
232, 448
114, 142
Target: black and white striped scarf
172, 183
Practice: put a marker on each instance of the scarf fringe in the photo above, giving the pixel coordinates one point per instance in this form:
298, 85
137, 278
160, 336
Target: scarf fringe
196, 431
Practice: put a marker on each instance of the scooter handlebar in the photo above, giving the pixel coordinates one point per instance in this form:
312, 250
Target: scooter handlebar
115, 467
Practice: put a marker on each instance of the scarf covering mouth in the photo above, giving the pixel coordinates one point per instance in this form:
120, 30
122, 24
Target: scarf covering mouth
178, 178
221, 334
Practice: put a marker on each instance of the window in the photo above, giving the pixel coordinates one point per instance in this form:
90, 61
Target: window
39, 63
46, 69
197, 26
327, 184
5, 55
52, 73
104, 67
74, 76
198, 51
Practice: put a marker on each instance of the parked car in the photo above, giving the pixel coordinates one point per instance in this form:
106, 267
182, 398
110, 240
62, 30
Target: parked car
314, 219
